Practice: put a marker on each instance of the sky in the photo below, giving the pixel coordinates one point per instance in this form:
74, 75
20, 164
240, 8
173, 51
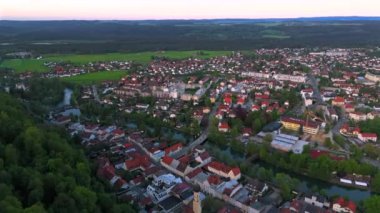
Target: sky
182, 9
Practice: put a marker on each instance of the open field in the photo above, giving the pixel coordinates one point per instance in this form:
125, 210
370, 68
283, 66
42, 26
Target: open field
96, 77
275, 34
22, 65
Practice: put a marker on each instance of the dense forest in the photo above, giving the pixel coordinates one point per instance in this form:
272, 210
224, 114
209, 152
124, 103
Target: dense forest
41, 170
133, 36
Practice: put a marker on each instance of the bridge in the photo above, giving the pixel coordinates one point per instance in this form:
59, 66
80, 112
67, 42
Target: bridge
202, 138
191, 145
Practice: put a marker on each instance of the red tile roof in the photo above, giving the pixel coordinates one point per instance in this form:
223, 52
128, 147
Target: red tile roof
346, 204
173, 148
213, 179
223, 125
339, 99
222, 167
194, 173
167, 160
369, 135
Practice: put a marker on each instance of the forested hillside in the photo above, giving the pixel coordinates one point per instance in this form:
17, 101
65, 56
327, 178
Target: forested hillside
132, 36
43, 171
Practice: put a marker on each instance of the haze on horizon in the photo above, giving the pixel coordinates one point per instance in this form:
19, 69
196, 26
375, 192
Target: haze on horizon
182, 9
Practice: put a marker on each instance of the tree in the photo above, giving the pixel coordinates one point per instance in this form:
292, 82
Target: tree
376, 182
85, 199
372, 204
210, 204
257, 125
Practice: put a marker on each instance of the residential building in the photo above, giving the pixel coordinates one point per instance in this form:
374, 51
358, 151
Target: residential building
340, 205
366, 137
223, 170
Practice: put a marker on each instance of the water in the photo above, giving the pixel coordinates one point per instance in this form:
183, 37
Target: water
131, 125
66, 98
173, 134
306, 183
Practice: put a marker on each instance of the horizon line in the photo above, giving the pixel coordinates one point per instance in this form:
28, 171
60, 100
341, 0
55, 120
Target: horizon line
194, 19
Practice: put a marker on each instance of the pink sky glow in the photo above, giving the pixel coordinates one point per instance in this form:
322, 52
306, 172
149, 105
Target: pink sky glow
183, 9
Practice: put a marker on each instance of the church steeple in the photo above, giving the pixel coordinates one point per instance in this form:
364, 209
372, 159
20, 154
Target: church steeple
197, 208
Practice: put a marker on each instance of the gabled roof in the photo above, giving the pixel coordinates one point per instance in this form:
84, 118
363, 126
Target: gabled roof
194, 173
167, 160
368, 135
173, 148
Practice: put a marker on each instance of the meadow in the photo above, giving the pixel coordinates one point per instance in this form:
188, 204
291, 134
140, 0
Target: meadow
23, 65
95, 77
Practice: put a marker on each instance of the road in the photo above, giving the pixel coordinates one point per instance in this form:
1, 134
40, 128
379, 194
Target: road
201, 138
95, 93
316, 93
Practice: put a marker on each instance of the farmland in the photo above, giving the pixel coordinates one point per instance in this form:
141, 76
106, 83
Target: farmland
22, 65
96, 77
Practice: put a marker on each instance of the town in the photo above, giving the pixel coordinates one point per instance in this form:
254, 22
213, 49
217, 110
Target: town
231, 133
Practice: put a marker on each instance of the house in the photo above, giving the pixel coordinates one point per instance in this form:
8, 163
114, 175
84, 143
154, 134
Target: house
338, 101
291, 123
223, 127
117, 133
203, 158
161, 187
349, 108
264, 104
317, 200
255, 108
308, 101
311, 127
308, 92
247, 132
227, 100
347, 130
240, 101
340, 205
138, 161
223, 170
331, 112
365, 137
257, 187
173, 149
357, 116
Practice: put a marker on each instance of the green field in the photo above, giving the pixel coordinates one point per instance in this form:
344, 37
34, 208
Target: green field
96, 77
22, 65
275, 34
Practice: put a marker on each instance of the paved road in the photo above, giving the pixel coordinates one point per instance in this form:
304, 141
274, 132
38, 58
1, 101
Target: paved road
95, 93
201, 138
316, 92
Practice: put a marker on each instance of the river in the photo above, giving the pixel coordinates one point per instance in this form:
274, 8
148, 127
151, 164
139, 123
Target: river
66, 98
307, 183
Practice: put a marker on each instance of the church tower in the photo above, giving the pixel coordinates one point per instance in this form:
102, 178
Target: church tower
197, 208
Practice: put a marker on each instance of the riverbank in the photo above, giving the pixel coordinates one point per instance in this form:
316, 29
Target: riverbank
306, 183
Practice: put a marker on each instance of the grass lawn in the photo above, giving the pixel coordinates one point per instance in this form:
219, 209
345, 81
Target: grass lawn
22, 65
96, 77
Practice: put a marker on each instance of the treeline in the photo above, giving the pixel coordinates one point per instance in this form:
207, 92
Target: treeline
99, 37
41, 170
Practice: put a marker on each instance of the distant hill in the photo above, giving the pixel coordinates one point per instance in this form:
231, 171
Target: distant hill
214, 34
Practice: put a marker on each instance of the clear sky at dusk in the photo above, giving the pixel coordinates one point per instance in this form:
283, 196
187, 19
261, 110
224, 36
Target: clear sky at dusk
183, 9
